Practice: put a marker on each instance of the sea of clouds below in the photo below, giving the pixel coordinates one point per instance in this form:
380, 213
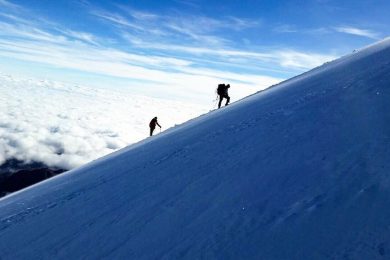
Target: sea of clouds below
65, 126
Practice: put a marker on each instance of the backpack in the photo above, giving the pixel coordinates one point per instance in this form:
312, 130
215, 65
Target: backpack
221, 89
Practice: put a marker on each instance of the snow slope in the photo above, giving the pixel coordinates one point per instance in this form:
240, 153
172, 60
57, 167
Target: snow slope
299, 171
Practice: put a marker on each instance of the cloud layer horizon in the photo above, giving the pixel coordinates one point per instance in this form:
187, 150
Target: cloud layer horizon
65, 126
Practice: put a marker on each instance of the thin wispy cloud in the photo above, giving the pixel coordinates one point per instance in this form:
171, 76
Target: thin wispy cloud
8, 4
84, 52
358, 32
284, 57
178, 80
201, 29
289, 58
14, 18
61, 46
117, 19
139, 15
328, 30
83, 36
241, 23
285, 28
154, 57
189, 3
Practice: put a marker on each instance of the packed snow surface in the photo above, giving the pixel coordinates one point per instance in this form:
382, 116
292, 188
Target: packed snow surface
299, 171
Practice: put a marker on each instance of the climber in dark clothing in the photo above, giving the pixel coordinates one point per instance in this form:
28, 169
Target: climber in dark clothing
222, 92
153, 124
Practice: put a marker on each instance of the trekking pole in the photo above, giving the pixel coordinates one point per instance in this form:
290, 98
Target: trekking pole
215, 102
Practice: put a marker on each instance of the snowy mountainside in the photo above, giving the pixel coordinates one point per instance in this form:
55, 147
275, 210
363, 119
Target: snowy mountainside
299, 171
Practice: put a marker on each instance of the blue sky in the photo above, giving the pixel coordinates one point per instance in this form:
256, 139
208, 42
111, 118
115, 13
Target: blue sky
173, 48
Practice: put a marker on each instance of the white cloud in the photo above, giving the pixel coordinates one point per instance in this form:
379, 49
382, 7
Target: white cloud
176, 26
294, 59
181, 72
285, 28
66, 126
23, 32
188, 3
359, 32
83, 36
8, 4
172, 75
242, 24
286, 58
117, 19
174, 65
140, 15
2, 153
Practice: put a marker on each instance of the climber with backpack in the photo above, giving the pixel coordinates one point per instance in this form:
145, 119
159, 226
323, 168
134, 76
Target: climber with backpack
222, 92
